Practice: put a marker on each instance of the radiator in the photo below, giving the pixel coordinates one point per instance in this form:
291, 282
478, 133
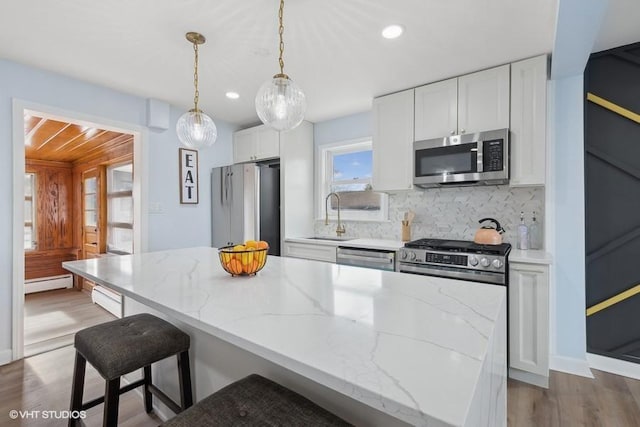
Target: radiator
107, 299
48, 283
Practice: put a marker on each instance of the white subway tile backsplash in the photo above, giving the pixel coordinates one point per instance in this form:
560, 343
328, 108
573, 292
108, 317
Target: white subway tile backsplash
450, 213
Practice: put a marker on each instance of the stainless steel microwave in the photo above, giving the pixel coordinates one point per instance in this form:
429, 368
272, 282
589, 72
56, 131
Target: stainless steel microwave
467, 159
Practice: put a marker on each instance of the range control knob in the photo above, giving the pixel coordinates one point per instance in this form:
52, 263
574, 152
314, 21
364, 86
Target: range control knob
412, 256
496, 263
403, 254
484, 262
473, 261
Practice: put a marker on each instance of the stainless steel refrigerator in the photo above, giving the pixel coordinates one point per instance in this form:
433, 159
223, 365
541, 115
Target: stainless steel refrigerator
245, 202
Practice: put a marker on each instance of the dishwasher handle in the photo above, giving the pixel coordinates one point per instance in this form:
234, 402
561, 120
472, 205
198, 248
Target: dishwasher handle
367, 259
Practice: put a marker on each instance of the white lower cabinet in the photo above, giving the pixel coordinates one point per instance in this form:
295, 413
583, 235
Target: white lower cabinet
529, 323
310, 251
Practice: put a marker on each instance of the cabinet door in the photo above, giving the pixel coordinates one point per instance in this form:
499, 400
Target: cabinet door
244, 145
528, 121
310, 251
529, 318
436, 110
393, 141
483, 100
267, 143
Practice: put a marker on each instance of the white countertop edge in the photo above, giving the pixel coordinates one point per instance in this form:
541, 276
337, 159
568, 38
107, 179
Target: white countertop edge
530, 256
406, 413
382, 244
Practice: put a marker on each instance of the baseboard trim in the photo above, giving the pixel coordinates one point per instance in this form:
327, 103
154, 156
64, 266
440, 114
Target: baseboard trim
570, 365
6, 356
529, 378
614, 366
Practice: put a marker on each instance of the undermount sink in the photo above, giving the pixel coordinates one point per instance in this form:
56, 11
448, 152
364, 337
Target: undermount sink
337, 239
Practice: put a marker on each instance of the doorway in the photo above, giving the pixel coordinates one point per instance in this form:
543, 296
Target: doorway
64, 237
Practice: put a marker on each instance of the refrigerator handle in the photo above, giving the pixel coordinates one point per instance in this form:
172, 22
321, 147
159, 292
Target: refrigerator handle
223, 184
231, 185
226, 185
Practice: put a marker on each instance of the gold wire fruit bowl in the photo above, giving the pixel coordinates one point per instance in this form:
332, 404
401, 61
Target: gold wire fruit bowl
242, 262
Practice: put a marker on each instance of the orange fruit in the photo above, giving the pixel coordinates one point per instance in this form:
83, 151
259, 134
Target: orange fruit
235, 266
262, 244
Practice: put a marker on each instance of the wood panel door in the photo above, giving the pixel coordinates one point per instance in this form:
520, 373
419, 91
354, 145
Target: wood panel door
93, 212
612, 196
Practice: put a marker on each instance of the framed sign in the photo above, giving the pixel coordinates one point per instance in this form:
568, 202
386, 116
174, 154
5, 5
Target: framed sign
188, 176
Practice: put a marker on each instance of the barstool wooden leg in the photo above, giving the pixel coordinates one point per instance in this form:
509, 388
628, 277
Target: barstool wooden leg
148, 403
111, 400
77, 387
184, 375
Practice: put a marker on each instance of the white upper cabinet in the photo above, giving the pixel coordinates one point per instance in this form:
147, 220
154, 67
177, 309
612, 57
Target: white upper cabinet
528, 121
256, 143
483, 100
393, 141
436, 110
472, 103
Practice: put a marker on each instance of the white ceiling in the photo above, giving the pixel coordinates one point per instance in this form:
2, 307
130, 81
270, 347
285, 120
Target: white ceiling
333, 47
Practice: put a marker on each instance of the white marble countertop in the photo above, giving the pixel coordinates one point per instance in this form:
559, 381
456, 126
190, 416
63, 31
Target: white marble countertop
383, 244
409, 345
530, 256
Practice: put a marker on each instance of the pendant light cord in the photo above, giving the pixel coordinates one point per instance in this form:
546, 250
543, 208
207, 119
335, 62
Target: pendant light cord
281, 31
196, 94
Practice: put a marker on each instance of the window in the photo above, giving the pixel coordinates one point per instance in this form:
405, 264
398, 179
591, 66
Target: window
29, 211
345, 169
120, 209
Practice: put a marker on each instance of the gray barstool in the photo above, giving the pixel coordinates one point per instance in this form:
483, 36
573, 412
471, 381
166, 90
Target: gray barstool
255, 401
119, 347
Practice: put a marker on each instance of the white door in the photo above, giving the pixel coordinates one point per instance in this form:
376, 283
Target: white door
483, 100
267, 143
393, 141
529, 318
528, 121
436, 110
244, 145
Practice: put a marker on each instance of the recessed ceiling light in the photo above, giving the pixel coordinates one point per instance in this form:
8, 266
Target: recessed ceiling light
232, 95
392, 31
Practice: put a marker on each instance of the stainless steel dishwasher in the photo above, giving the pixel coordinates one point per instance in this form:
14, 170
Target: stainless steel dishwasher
361, 257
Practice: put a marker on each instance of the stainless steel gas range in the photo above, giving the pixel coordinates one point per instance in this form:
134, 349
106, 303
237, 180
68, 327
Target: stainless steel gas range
456, 259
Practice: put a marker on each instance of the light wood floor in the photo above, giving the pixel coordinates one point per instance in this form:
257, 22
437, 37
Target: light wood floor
51, 318
43, 382
608, 400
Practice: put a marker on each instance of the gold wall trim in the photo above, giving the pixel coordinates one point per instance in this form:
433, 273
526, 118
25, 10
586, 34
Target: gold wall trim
613, 300
613, 107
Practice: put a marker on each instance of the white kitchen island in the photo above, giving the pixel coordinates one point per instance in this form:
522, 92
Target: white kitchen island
374, 347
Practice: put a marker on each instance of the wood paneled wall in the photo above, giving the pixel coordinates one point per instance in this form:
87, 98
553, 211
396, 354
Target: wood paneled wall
54, 200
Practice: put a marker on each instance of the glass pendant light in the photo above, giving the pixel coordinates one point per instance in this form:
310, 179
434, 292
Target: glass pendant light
194, 128
280, 103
